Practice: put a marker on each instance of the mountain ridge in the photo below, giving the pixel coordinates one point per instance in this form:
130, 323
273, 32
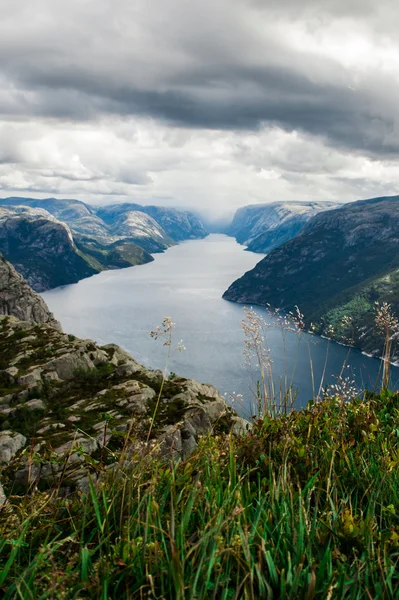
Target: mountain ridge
263, 227
340, 256
57, 242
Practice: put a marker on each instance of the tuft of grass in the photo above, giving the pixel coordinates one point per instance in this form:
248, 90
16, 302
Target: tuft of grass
305, 506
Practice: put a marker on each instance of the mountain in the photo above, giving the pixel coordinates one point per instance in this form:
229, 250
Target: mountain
80, 217
125, 222
151, 227
41, 248
177, 224
56, 242
340, 264
17, 299
263, 227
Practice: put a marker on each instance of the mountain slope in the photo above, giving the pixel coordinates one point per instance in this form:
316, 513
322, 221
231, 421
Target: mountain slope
18, 300
177, 224
41, 248
263, 227
339, 256
79, 216
141, 229
46, 253
118, 255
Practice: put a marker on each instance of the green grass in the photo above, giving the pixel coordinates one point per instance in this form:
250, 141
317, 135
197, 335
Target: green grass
306, 506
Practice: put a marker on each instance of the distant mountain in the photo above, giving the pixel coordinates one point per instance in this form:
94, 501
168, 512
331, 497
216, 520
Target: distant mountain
117, 255
125, 222
177, 224
79, 216
45, 252
263, 227
41, 248
151, 227
56, 242
340, 264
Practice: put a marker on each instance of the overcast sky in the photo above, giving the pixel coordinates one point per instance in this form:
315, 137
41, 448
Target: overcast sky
209, 104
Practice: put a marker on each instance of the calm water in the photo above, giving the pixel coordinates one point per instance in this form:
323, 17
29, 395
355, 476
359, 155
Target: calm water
186, 283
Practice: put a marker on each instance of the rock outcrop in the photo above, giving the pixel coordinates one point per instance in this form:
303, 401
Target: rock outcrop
17, 299
77, 404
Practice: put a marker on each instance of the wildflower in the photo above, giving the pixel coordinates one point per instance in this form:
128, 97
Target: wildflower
388, 324
344, 388
385, 320
330, 331
180, 346
164, 331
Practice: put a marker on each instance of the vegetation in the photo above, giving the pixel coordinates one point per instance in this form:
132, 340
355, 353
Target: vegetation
353, 320
305, 506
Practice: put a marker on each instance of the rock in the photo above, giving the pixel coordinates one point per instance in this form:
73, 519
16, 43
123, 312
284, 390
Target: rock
32, 378
170, 443
35, 404
3, 498
240, 426
66, 366
50, 427
73, 419
11, 372
19, 300
10, 443
87, 445
50, 376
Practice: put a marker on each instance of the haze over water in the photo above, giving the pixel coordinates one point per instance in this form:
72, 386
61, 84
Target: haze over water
186, 283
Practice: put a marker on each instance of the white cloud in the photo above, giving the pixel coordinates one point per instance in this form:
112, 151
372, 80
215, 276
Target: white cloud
203, 105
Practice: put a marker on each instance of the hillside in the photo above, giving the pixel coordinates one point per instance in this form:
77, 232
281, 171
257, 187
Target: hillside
263, 227
41, 248
341, 263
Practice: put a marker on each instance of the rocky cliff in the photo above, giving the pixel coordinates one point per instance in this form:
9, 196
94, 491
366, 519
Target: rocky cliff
69, 407
263, 227
339, 265
17, 299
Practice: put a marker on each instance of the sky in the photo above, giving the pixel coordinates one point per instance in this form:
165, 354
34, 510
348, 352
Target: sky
206, 105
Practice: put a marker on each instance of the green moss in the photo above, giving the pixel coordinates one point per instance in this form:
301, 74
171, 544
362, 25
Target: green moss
167, 413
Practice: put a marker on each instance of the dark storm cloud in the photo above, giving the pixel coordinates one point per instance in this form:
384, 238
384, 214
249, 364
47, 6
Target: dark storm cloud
197, 66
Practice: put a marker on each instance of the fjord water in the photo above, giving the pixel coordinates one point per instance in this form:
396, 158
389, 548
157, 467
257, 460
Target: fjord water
186, 283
